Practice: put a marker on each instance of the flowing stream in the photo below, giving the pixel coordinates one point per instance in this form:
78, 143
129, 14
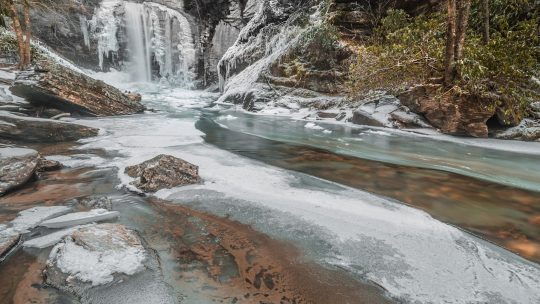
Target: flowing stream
346, 199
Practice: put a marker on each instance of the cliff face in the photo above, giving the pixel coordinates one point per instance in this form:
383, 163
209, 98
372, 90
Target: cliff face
177, 35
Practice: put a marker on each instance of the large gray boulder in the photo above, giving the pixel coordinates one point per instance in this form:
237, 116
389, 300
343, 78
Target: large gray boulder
28, 129
163, 171
17, 166
56, 86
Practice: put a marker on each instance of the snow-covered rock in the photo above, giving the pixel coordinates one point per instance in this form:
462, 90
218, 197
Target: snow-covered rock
528, 130
17, 166
163, 171
108, 263
79, 218
387, 111
94, 255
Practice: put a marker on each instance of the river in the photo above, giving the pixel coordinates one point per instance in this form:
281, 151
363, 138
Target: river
333, 213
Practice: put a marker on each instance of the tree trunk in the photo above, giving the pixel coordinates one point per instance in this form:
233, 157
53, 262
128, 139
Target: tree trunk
462, 22
449, 65
463, 11
18, 32
485, 17
28, 34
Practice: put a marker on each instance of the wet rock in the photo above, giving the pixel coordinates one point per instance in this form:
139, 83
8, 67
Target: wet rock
17, 166
96, 202
53, 85
27, 129
134, 96
452, 113
46, 165
163, 171
7, 242
528, 130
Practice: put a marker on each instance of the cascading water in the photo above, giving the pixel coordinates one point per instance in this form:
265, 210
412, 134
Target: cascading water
158, 40
138, 44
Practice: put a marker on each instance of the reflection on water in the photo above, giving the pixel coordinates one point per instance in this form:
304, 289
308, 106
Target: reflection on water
505, 215
516, 164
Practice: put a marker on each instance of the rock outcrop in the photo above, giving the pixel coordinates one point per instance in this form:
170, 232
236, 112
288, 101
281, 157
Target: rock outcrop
17, 166
163, 171
28, 129
53, 85
450, 112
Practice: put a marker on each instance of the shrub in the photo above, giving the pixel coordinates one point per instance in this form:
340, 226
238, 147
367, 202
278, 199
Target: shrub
405, 51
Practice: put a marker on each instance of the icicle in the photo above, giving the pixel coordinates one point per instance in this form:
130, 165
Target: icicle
84, 30
104, 26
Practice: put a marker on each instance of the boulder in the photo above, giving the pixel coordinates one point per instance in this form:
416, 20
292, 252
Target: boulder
56, 86
387, 111
27, 129
451, 112
96, 202
95, 255
528, 130
163, 171
17, 166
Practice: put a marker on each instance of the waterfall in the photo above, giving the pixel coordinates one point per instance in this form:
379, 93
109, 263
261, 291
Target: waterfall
140, 55
157, 40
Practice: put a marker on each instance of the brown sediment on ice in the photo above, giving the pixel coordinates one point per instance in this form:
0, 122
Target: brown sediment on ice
20, 281
53, 188
247, 266
505, 215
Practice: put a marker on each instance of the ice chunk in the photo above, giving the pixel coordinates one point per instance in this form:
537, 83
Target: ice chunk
313, 126
32, 217
50, 239
79, 218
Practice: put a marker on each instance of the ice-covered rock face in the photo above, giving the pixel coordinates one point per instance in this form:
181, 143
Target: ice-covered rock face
271, 32
149, 40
